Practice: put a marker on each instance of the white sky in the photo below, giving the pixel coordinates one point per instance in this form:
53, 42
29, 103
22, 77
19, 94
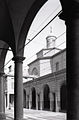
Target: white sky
46, 13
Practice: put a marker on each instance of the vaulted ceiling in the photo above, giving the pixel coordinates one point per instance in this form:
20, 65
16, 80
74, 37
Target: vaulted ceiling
16, 17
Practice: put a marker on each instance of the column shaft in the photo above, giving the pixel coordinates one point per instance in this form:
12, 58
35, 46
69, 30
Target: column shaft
30, 101
8, 100
73, 69
1, 93
18, 89
57, 102
51, 102
27, 101
2, 114
71, 16
36, 101
41, 100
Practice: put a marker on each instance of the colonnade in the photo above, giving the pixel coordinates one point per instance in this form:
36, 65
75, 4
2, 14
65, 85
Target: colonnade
18, 91
40, 101
18, 94
72, 23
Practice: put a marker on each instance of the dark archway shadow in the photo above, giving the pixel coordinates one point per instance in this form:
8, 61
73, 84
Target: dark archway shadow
24, 96
33, 98
46, 97
63, 98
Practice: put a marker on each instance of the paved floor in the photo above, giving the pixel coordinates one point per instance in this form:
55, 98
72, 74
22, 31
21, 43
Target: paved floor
37, 115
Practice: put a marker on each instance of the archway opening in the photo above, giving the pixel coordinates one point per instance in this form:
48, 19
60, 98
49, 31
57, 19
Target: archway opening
54, 102
38, 101
46, 98
24, 98
33, 98
63, 98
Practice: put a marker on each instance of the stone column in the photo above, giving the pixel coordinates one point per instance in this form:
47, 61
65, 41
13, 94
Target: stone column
57, 102
8, 100
71, 16
27, 101
2, 115
56, 97
4, 90
41, 101
51, 102
18, 88
1, 92
5, 101
30, 100
73, 69
36, 101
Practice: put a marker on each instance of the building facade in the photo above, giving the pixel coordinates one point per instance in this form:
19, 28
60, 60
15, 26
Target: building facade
9, 91
48, 91
45, 85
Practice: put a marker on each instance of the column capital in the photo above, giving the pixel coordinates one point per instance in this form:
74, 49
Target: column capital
18, 59
2, 73
70, 9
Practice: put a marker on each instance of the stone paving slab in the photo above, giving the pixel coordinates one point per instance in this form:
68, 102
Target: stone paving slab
37, 115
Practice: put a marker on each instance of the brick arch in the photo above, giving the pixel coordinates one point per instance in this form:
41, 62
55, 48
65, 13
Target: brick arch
27, 22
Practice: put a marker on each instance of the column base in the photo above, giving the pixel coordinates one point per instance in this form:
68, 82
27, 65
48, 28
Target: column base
2, 116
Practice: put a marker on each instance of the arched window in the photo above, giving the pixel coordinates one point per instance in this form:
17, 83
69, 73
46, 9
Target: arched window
34, 71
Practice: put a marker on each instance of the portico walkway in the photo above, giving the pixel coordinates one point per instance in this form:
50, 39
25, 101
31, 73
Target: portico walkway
38, 115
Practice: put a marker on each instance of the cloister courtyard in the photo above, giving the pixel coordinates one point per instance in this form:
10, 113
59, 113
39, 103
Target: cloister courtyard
30, 114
